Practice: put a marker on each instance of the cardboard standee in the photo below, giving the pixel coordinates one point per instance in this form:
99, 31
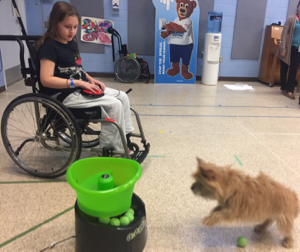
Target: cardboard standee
176, 41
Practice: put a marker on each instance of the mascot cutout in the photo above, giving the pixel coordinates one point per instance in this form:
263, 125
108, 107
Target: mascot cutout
181, 39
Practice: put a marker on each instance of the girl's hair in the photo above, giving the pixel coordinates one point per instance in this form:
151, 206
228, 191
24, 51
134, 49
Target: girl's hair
59, 12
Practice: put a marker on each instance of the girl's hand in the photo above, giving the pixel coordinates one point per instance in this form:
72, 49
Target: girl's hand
283, 54
96, 82
99, 83
88, 86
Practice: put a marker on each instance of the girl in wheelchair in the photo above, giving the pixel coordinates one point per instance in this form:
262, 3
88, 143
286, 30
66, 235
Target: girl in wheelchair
63, 77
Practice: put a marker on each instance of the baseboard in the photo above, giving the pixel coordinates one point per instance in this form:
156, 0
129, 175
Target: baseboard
13, 74
198, 78
244, 79
109, 75
103, 75
235, 79
2, 89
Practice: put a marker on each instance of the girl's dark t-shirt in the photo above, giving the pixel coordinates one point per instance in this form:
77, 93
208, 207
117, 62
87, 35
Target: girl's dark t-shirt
67, 61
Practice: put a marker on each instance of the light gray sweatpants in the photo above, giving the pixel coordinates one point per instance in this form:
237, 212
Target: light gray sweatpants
114, 105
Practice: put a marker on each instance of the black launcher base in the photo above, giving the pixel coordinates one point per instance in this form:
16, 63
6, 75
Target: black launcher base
94, 236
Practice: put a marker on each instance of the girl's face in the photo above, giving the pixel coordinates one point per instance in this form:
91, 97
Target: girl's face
67, 29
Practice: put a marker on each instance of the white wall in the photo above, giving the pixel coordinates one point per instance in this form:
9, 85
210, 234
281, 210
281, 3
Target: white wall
9, 26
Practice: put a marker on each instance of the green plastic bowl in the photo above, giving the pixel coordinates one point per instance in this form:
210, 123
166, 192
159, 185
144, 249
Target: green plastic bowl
83, 177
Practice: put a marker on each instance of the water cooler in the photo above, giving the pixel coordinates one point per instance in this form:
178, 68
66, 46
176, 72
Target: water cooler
212, 49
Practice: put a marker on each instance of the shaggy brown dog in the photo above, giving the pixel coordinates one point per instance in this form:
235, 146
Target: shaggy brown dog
241, 198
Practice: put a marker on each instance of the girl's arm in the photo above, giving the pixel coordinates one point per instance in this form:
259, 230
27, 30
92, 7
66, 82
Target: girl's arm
286, 30
49, 80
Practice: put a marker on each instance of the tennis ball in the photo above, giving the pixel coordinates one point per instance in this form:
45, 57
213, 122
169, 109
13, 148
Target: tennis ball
124, 221
130, 210
130, 216
242, 241
104, 220
114, 222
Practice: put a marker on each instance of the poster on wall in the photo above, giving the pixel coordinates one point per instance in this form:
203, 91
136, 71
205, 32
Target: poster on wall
94, 30
176, 38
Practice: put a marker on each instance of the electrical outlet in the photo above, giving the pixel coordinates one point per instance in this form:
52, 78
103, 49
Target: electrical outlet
115, 4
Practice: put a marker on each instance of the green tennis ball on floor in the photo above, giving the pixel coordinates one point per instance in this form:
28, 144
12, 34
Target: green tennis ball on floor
104, 220
124, 221
130, 216
114, 222
242, 241
130, 210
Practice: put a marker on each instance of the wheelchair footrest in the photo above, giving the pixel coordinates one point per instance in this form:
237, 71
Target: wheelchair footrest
138, 156
141, 155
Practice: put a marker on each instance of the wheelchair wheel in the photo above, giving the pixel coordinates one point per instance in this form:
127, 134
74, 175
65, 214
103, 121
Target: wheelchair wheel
30, 128
90, 136
127, 69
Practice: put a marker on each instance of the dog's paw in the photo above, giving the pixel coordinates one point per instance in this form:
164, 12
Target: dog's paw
259, 229
262, 227
288, 242
208, 221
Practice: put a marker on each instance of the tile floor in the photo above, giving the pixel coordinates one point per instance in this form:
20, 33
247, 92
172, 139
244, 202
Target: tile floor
251, 130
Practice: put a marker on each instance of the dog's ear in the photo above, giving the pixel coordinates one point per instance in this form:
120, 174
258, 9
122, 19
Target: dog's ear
208, 174
200, 161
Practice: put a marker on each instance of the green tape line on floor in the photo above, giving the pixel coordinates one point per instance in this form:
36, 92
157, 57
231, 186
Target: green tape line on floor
238, 160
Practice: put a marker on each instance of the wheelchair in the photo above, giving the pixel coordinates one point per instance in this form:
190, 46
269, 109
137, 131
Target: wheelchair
44, 137
128, 69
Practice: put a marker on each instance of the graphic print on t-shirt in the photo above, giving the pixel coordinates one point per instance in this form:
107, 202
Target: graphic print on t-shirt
74, 72
78, 60
177, 35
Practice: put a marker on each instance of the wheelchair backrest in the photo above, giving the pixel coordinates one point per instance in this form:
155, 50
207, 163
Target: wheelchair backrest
35, 66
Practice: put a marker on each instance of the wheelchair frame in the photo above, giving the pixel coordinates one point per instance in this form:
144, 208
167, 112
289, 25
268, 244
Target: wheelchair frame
127, 69
55, 127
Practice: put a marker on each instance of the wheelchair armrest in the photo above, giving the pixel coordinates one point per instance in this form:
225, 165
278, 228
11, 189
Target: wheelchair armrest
30, 82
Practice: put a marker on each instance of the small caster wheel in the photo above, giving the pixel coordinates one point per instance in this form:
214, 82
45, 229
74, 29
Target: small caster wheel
271, 84
134, 147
